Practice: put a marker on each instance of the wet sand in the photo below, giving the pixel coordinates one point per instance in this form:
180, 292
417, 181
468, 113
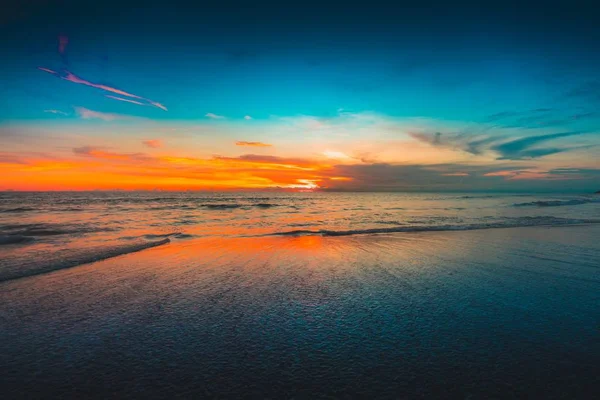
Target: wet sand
475, 314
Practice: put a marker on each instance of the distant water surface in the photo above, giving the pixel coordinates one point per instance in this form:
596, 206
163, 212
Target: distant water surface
53, 230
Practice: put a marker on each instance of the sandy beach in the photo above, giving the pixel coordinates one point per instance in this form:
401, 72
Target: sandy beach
475, 314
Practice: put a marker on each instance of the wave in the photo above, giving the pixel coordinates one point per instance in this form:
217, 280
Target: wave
226, 206
185, 236
513, 223
477, 197
221, 206
17, 210
151, 236
557, 203
85, 256
162, 235
15, 239
48, 229
264, 205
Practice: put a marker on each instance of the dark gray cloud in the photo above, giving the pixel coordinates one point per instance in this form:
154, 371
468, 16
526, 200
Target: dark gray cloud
479, 145
480, 142
525, 147
454, 177
431, 138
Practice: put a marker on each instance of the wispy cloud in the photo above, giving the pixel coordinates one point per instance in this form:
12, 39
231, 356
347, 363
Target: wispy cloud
247, 117
254, 144
284, 162
71, 77
153, 143
335, 154
56, 112
501, 142
525, 147
214, 116
63, 41
433, 138
91, 114
538, 174
126, 100
99, 152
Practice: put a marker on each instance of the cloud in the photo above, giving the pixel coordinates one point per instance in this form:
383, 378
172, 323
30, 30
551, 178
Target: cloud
100, 152
524, 147
474, 142
390, 177
335, 154
247, 117
456, 174
63, 41
448, 177
499, 141
102, 167
71, 77
91, 114
285, 162
86, 113
434, 138
56, 112
126, 100
214, 116
254, 144
8, 158
585, 115
557, 174
153, 143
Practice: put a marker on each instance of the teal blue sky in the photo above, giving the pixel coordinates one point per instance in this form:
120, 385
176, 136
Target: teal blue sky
514, 83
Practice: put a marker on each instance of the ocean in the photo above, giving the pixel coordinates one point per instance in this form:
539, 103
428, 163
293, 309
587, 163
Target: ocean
40, 232
299, 295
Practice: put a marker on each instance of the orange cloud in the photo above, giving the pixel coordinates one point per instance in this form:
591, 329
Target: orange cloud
516, 175
107, 169
153, 143
254, 144
71, 77
272, 161
100, 153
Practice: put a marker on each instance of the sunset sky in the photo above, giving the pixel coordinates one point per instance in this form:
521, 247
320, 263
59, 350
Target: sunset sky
301, 96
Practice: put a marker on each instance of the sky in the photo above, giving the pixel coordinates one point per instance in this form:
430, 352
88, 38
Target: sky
441, 96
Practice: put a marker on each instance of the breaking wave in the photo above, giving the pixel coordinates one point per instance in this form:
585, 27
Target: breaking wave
84, 256
557, 203
227, 206
512, 223
41, 229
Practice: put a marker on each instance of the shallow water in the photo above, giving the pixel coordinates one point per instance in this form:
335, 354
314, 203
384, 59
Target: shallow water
40, 230
498, 313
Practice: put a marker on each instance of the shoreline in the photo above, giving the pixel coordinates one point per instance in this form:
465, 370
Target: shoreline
512, 312
98, 253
